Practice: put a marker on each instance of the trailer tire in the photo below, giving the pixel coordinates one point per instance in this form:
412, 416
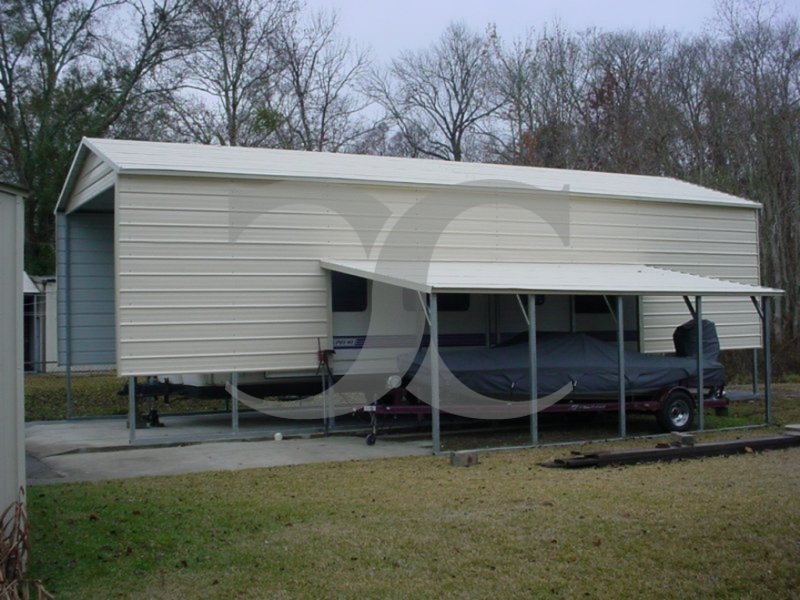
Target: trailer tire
371, 439
677, 411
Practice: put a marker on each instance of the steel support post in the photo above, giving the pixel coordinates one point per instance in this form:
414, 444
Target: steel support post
621, 366
68, 383
766, 309
534, 372
328, 408
131, 410
331, 401
701, 417
755, 371
325, 409
433, 354
67, 292
235, 402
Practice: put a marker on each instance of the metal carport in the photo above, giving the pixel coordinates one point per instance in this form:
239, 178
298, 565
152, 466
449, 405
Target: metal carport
530, 279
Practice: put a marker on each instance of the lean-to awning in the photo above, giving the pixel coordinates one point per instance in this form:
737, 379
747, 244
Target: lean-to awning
556, 278
538, 278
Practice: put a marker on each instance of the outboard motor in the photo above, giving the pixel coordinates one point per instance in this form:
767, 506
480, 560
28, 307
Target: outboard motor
685, 340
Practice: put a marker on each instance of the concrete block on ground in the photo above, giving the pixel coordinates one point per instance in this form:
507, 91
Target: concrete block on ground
793, 429
463, 459
684, 439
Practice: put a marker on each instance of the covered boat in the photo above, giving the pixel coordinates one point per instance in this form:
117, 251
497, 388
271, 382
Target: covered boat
589, 364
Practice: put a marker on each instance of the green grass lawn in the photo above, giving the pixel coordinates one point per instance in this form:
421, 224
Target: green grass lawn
95, 394
418, 528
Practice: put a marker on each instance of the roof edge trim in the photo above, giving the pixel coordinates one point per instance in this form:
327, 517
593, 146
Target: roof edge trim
13, 189
654, 281
741, 203
86, 146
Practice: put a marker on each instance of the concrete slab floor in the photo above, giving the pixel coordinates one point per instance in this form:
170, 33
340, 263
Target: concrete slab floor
98, 449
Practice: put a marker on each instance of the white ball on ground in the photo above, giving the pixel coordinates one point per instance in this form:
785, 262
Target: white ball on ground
278, 436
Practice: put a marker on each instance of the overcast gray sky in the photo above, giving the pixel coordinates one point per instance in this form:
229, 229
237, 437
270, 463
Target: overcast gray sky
389, 26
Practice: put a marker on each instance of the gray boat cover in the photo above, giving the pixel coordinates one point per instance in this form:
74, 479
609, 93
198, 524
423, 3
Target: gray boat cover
563, 358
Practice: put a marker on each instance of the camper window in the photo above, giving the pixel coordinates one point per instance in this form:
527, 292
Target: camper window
593, 305
447, 302
349, 293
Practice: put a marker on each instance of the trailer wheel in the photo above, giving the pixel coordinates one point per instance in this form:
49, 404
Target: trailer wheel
677, 411
370, 439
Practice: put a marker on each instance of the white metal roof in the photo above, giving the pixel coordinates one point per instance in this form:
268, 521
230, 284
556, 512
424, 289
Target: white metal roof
195, 159
537, 278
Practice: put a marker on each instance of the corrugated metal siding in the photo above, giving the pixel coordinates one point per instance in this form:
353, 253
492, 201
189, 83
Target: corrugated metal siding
713, 241
193, 300
89, 282
702, 240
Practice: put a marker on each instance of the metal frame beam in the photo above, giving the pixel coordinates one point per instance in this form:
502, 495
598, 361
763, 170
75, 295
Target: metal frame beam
689, 306
614, 315
67, 291
766, 308
621, 366
522, 309
760, 312
328, 410
131, 409
235, 402
425, 308
534, 416
698, 318
433, 353
328, 399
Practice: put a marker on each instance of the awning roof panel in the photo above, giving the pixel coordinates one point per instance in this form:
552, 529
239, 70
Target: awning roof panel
538, 278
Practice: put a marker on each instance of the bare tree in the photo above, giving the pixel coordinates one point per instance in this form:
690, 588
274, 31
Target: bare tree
437, 98
232, 72
761, 52
317, 105
623, 109
686, 75
63, 76
543, 80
